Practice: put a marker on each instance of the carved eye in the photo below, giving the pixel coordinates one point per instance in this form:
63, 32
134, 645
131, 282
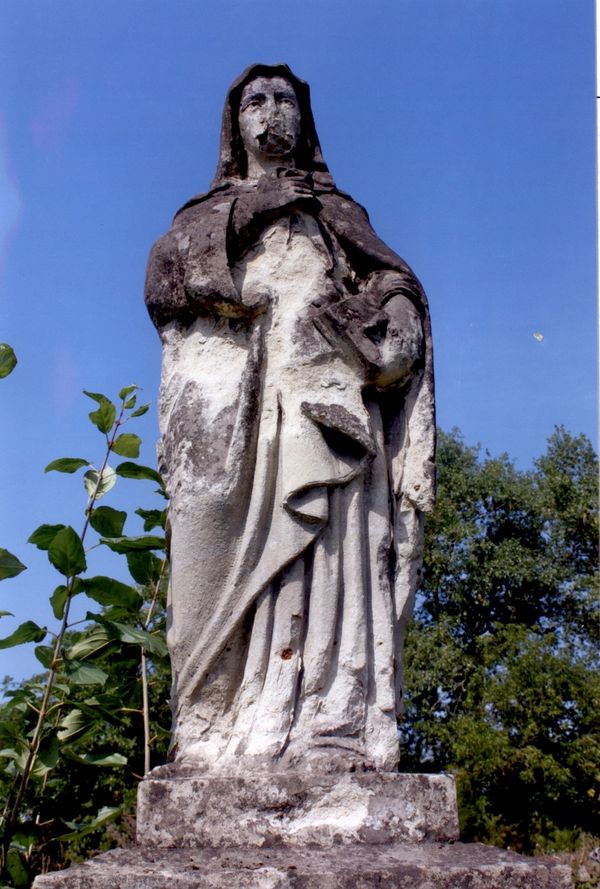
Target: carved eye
255, 102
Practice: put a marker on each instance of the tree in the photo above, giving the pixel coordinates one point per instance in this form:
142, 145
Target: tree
502, 685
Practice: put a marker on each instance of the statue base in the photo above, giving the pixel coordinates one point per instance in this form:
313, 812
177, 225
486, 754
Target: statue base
181, 807
302, 831
394, 865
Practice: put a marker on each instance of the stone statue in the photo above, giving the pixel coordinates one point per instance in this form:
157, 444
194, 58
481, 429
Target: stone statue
297, 444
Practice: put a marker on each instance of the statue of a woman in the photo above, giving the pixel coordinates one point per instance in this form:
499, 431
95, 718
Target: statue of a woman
297, 443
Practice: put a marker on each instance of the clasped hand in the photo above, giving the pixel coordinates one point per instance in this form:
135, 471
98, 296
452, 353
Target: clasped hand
274, 195
288, 189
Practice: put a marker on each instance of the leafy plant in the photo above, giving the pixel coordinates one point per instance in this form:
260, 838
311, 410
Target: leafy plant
98, 677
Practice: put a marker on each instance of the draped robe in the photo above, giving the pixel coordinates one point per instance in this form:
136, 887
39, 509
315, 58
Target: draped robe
297, 486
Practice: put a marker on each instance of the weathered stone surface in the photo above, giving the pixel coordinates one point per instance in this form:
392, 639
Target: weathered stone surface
406, 866
297, 442
179, 808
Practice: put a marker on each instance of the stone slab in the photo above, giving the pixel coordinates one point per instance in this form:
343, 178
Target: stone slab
179, 808
402, 865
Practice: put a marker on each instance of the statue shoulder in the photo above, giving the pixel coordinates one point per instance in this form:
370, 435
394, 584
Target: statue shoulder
341, 201
203, 202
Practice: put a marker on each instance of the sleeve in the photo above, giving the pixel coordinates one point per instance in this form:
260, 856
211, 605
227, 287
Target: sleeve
189, 268
164, 291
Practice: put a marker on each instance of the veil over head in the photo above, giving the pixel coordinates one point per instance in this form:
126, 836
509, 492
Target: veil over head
232, 155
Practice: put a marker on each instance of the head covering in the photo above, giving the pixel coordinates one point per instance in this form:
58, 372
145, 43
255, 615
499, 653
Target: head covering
232, 155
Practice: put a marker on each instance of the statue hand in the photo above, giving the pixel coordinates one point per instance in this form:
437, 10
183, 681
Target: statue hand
401, 345
289, 189
273, 196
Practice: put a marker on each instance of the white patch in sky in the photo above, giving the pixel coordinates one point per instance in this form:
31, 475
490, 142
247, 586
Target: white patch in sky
50, 124
538, 336
10, 195
66, 382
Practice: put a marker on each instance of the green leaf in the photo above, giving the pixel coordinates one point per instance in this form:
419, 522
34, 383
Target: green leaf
133, 636
102, 759
73, 723
143, 409
144, 567
66, 552
26, 632
106, 814
47, 757
25, 838
95, 641
43, 536
127, 390
16, 868
130, 402
66, 464
95, 396
134, 470
8, 360
85, 674
9, 565
108, 481
153, 518
44, 654
104, 417
6, 614
127, 445
59, 596
58, 601
108, 521
133, 544
107, 591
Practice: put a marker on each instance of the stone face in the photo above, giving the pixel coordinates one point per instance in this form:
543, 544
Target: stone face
297, 441
176, 808
405, 866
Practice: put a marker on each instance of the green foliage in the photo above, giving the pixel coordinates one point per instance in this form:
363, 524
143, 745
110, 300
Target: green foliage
43, 536
26, 632
10, 566
502, 684
8, 360
134, 470
74, 743
107, 521
127, 445
98, 483
66, 464
104, 417
66, 552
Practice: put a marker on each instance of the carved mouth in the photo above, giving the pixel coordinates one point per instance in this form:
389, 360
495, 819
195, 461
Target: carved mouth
275, 141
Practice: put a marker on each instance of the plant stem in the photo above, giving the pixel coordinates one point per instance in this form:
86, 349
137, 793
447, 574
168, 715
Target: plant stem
144, 669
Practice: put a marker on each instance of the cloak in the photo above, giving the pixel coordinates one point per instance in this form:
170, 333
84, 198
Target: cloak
297, 482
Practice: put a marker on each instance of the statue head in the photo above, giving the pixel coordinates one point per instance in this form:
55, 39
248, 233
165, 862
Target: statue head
269, 120
267, 110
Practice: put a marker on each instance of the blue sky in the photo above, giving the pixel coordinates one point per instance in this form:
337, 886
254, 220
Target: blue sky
466, 127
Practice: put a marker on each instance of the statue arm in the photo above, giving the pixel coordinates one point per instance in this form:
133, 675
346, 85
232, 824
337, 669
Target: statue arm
164, 291
189, 269
396, 326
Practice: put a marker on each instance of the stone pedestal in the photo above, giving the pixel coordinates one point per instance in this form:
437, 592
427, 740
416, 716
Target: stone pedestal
394, 865
302, 831
182, 808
